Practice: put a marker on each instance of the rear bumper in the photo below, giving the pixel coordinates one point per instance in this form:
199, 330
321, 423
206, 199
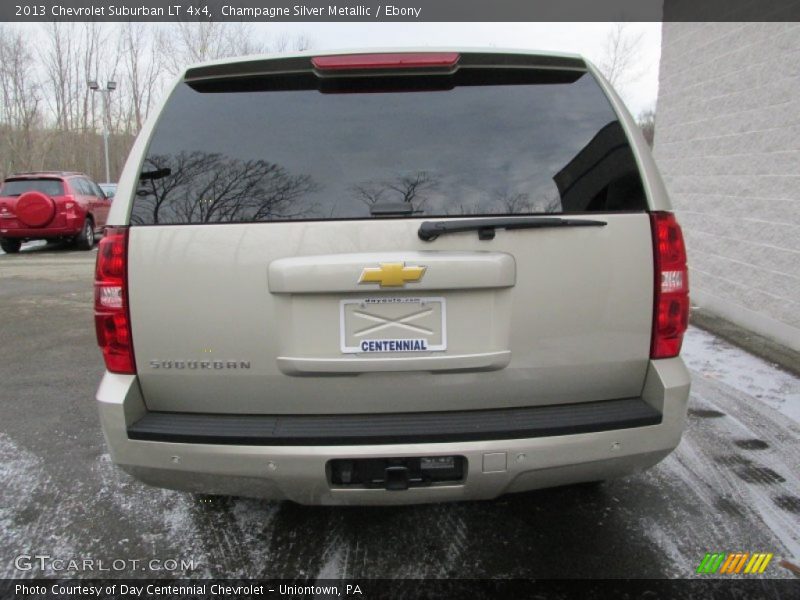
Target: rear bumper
280, 468
395, 428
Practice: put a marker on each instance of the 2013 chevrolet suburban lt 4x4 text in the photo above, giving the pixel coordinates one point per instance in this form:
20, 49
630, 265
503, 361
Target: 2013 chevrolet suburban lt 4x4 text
391, 277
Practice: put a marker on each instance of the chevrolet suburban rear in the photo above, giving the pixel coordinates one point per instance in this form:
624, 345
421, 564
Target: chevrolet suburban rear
391, 277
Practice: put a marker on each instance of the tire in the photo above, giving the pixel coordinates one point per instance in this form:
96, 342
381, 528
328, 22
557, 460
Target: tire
85, 239
10, 246
35, 209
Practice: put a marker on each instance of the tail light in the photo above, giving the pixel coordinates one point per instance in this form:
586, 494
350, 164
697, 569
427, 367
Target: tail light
398, 60
671, 297
111, 315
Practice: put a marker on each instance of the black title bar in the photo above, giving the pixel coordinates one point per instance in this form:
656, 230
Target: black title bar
409, 589
265, 11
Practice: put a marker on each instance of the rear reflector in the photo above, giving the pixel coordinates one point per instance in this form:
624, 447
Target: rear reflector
111, 315
400, 60
671, 294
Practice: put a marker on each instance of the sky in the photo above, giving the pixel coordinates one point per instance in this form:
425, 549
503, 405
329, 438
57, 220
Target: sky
587, 39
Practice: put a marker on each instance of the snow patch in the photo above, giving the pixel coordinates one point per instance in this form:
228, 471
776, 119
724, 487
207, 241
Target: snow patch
27, 523
334, 566
159, 513
715, 359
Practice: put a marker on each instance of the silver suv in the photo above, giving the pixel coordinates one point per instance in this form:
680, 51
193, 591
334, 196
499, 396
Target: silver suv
391, 278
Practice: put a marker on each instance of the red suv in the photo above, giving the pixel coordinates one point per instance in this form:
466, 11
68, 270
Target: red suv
51, 205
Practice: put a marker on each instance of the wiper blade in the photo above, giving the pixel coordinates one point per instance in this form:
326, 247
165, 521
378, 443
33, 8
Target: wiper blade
430, 230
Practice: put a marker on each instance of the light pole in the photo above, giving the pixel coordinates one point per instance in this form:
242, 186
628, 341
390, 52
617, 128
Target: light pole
110, 87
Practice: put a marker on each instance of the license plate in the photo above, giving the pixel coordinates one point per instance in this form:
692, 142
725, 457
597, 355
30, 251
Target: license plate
381, 325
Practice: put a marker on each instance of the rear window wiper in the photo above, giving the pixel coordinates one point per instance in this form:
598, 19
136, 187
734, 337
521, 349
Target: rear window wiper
430, 230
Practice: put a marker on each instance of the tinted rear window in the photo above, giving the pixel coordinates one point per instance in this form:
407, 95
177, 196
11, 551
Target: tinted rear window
471, 144
17, 187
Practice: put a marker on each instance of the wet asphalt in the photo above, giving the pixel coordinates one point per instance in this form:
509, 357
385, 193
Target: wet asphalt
732, 485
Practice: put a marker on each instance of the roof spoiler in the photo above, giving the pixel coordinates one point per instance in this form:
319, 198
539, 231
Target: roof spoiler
380, 64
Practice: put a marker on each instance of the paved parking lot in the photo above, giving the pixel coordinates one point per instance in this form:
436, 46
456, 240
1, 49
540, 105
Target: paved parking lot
733, 485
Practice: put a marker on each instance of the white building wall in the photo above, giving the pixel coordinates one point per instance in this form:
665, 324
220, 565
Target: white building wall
728, 144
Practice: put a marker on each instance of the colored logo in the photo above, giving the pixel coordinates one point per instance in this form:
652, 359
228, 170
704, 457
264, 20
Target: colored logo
391, 274
734, 563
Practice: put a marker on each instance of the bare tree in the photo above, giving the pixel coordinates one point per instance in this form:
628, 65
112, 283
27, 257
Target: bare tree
369, 193
405, 188
185, 43
513, 203
95, 62
200, 187
57, 57
412, 188
621, 56
71, 55
49, 118
473, 208
284, 43
143, 67
19, 102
